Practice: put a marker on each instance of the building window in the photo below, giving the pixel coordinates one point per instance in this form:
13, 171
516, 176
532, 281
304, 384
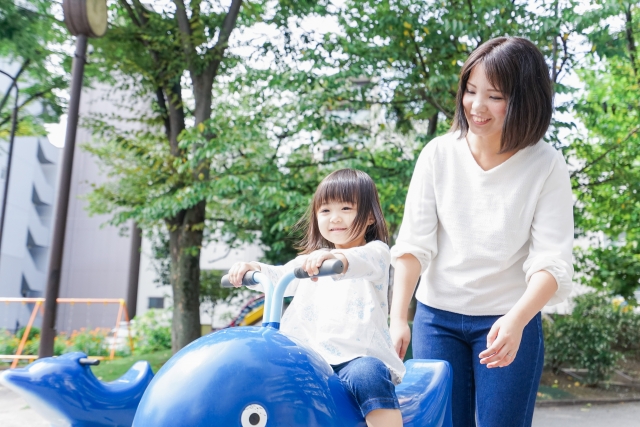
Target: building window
156, 302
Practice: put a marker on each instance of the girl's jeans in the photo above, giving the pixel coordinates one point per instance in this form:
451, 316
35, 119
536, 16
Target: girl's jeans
496, 397
369, 380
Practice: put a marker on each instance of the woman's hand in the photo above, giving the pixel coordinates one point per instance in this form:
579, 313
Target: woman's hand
314, 260
400, 336
239, 269
503, 342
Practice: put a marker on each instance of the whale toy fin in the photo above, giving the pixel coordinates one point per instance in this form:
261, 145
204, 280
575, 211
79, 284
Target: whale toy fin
135, 379
425, 393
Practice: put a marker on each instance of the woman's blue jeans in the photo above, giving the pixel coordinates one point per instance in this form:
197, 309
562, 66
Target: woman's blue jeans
483, 397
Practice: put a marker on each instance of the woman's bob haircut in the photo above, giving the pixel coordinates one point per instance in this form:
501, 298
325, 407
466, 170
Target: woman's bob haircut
350, 186
516, 68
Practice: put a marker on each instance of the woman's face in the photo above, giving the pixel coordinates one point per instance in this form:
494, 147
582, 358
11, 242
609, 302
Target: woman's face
484, 106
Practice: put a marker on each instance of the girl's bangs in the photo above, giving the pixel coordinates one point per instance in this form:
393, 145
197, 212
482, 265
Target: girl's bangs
339, 190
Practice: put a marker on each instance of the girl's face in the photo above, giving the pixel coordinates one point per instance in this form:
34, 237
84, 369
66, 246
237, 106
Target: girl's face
484, 106
335, 220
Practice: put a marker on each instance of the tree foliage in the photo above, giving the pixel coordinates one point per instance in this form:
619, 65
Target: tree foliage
31, 40
227, 149
606, 154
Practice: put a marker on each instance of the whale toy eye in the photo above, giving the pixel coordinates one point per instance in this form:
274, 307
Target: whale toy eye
254, 416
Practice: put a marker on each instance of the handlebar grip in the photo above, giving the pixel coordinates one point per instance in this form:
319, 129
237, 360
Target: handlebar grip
247, 280
328, 268
90, 362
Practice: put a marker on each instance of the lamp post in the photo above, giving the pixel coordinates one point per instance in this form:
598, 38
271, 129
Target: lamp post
83, 18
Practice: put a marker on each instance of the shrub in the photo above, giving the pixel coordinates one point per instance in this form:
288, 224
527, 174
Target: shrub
8, 343
593, 337
89, 342
152, 331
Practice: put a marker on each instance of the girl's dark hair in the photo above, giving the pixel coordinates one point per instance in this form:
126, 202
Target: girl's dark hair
351, 186
516, 68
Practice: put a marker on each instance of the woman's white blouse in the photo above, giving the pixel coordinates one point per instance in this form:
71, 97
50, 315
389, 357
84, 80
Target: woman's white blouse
480, 235
343, 317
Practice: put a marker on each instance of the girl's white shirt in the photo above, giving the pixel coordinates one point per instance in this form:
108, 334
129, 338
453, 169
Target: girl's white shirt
480, 235
343, 317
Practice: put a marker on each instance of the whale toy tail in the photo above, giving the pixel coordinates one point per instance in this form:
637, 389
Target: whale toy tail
65, 391
425, 393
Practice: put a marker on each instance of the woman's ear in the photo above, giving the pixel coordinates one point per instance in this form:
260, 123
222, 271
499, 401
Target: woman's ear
371, 220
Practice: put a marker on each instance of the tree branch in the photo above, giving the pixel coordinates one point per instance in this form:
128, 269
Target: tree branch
185, 35
603, 155
127, 7
631, 45
13, 83
28, 100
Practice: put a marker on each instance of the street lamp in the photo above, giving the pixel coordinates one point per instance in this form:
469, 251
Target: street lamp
83, 18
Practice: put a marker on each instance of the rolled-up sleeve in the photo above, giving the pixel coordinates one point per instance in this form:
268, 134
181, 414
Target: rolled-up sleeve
417, 234
552, 230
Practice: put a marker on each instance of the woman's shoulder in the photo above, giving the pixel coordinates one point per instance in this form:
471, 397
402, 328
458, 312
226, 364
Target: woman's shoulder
546, 154
440, 145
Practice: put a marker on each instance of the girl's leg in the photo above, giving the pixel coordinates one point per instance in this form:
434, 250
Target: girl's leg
507, 396
384, 418
439, 334
369, 380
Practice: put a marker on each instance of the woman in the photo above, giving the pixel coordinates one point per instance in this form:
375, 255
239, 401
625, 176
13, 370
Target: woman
488, 225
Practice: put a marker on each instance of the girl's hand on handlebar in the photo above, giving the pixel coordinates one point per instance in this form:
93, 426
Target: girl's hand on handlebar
315, 259
239, 269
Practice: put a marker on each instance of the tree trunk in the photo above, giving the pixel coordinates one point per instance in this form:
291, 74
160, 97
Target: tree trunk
433, 125
185, 240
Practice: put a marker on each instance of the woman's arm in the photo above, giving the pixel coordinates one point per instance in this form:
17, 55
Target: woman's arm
405, 279
504, 337
548, 268
416, 245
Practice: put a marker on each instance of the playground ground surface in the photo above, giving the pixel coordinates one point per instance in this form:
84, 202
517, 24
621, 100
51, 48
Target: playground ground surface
14, 412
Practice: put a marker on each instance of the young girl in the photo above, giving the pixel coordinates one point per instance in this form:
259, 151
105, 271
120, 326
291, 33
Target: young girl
344, 318
488, 223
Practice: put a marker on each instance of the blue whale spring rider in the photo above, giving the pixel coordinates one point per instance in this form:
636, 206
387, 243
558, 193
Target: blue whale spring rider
246, 376
258, 377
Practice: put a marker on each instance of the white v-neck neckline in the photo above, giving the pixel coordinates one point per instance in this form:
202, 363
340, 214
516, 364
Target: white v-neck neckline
467, 148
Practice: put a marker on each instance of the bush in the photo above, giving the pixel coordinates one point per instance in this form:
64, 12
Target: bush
593, 337
8, 342
152, 331
90, 342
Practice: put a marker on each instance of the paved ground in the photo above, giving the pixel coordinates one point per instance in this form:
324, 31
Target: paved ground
14, 412
620, 415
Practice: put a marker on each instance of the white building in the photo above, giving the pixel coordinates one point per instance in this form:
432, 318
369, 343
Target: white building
24, 253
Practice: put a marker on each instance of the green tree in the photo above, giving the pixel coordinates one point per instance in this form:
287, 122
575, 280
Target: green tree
31, 37
175, 53
388, 80
606, 155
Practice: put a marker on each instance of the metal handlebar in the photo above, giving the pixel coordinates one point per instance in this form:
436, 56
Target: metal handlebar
272, 310
247, 280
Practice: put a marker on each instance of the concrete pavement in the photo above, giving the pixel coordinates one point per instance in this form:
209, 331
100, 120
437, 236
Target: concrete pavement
617, 414
14, 412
